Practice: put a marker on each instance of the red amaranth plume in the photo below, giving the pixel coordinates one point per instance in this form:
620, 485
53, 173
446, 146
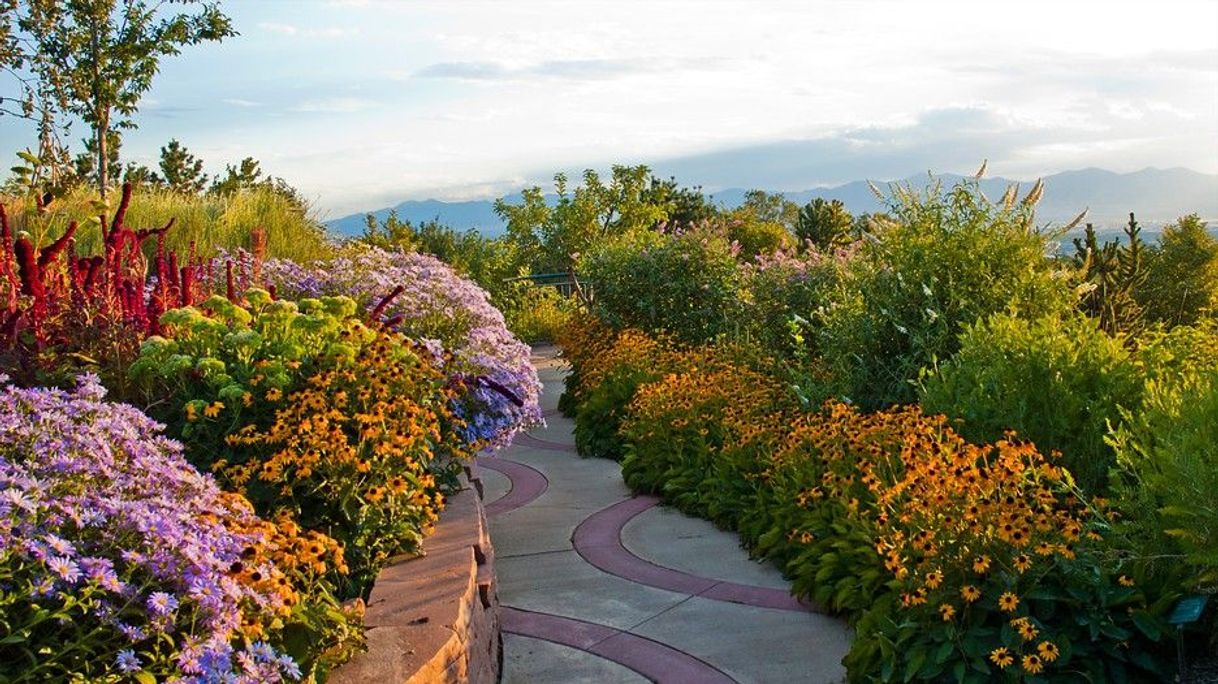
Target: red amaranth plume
258, 249
7, 258
380, 307
186, 295
31, 277
51, 252
230, 288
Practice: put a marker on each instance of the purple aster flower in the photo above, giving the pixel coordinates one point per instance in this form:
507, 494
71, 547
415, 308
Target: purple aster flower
66, 568
160, 603
127, 662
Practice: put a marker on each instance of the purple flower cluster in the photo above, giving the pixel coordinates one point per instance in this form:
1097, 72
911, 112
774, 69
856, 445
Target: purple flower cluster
450, 315
101, 515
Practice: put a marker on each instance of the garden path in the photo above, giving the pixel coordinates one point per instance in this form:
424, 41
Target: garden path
600, 586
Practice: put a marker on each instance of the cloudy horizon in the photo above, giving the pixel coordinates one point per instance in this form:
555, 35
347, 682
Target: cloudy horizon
362, 104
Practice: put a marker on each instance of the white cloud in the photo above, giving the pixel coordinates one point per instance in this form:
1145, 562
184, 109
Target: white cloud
296, 31
238, 102
335, 105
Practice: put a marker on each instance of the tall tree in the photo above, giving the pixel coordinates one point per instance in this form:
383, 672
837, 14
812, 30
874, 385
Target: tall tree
552, 235
183, 172
243, 176
825, 224
1182, 274
99, 56
769, 207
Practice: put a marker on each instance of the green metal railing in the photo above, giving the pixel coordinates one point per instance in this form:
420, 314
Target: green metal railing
567, 284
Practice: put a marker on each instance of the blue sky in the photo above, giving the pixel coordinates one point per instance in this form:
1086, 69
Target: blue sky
363, 103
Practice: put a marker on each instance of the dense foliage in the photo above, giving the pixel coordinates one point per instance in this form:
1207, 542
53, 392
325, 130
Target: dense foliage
684, 282
1056, 382
943, 260
966, 539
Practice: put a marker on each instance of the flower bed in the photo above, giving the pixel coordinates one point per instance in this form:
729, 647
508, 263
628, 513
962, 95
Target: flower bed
449, 314
341, 420
118, 558
953, 560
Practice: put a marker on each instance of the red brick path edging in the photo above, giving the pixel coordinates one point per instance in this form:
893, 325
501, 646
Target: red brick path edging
527, 484
598, 539
652, 659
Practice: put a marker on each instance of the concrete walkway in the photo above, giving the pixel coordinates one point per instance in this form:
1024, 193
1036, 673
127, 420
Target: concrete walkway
600, 586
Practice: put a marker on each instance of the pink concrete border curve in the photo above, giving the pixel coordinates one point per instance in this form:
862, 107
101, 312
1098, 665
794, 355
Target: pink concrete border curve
598, 539
652, 659
527, 484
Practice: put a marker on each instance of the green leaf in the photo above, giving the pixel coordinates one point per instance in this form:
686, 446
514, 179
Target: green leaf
916, 660
945, 650
145, 678
1147, 625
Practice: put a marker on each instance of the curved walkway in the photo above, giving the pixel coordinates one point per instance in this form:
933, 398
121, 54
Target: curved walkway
601, 586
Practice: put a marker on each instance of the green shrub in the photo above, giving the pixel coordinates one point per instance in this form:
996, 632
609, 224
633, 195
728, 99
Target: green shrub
1056, 382
759, 238
784, 295
534, 313
1167, 453
941, 262
1182, 274
685, 284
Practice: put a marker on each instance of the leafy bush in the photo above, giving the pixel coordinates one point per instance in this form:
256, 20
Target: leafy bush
1182, 274
685, 284
307, 411
1057, 382
535, 313
121, 561
941, 262
1167, 452
756, 238
448, 313
785, 297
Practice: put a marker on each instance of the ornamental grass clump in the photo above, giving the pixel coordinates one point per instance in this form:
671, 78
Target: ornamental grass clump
450, 314
342, 427
118, 560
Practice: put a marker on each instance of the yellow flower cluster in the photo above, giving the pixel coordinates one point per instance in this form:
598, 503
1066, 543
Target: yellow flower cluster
354, 452
285, 562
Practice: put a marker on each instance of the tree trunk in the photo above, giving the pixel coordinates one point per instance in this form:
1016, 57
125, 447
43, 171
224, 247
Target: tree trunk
101, 113
103, 155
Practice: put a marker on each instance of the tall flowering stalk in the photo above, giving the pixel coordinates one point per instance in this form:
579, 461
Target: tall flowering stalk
63, 311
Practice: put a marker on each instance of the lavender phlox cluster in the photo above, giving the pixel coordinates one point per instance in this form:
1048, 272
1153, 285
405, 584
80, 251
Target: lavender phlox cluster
97, 505
437, 307
797, 264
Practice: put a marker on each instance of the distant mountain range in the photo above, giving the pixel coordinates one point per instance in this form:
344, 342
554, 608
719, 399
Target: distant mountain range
1157, 196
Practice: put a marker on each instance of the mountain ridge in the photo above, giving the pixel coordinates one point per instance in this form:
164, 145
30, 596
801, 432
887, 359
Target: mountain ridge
1157, 196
